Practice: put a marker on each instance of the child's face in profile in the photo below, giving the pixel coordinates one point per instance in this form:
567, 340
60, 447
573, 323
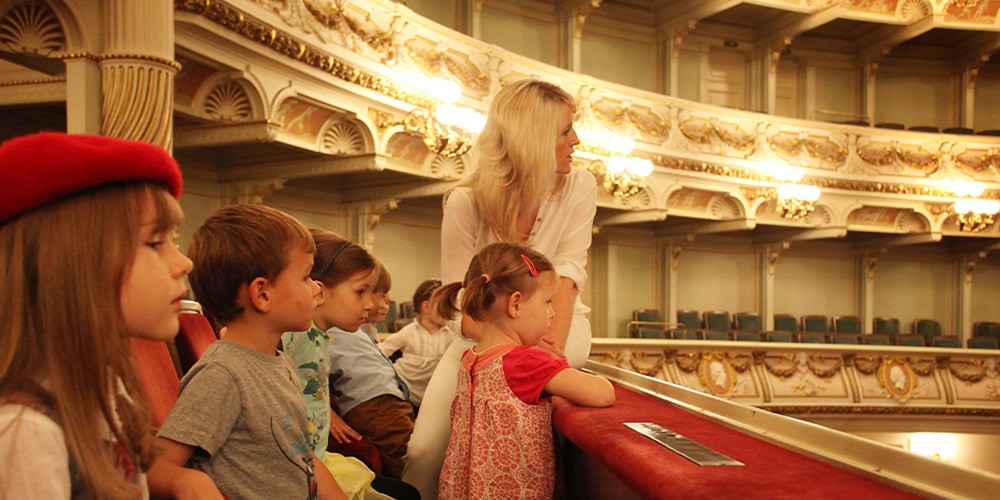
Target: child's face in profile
536, 311
381, 309
293, 293
347, 304
153, 288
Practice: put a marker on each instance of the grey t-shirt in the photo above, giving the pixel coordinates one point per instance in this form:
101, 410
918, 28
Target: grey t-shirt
244, 413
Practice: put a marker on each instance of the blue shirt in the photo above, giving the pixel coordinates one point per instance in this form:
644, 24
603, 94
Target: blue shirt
359, 371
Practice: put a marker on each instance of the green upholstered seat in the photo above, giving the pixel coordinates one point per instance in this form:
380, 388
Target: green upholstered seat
746, 336
845, 338
779, 336
876, 339
986, 329
718, 335
911, 340
926, 327
652, 333
786, 323
888, 326
747, 321
688, 318
646, 315
979, 342
946, 341
815, 323
716, 320
812, 338
846, 324
688, 334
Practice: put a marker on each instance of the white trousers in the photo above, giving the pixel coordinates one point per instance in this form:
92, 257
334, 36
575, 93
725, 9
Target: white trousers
429, 441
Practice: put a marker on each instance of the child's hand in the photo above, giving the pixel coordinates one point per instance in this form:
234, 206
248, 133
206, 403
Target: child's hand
547, 344
340, 431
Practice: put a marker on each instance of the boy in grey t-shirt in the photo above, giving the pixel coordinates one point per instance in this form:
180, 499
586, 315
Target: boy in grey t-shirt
240, 416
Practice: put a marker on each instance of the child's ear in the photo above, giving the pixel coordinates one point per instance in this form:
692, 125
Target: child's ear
259, 294
514, 304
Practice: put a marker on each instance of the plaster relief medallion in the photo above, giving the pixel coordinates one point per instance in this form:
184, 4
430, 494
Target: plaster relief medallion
718, 376
897, 378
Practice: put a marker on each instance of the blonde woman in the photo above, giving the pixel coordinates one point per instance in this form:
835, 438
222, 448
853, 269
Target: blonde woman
523, 191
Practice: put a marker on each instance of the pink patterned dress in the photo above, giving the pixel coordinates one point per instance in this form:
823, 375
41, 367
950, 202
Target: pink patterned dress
501, 426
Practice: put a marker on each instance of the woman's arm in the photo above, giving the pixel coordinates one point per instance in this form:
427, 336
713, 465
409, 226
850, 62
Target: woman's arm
581, 388
458, 235
562, 304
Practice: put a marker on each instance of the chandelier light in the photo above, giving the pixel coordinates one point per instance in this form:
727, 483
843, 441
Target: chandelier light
447, 129
974, 214
796, 201
625, 176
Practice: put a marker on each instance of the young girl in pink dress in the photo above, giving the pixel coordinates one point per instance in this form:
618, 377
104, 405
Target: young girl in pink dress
501, 442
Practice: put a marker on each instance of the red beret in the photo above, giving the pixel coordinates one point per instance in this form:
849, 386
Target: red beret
41, 168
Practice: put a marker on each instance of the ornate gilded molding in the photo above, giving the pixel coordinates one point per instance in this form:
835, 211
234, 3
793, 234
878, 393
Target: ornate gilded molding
713, 132
850, 380
257, 31
432, 59
794, 145
882, 410
332, 15
617, 114
908, 156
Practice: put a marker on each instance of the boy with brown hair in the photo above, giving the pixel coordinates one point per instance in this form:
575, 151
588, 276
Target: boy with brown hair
240, 416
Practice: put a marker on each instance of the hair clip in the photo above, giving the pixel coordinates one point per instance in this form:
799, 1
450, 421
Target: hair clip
486, 277
531, 265
326, 267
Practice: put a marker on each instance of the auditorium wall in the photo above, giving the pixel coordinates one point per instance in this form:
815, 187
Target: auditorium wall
629, 61
521, 33
916, 286
897, 89
812, 283
716, 279
410, 247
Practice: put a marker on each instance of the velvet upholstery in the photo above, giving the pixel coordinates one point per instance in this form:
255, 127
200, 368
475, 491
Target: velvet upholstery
653, 471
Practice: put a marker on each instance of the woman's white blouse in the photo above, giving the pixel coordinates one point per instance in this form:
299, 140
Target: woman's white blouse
562, 230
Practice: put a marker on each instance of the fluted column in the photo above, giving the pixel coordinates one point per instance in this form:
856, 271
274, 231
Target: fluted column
866, 299
137, 71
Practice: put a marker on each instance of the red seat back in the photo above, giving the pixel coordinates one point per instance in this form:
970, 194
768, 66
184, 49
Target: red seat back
156, 375
195, 335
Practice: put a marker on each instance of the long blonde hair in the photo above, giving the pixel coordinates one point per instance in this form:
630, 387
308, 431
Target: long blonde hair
63, 345
516, 162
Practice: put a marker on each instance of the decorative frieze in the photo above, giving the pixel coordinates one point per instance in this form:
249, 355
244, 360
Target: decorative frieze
805, 378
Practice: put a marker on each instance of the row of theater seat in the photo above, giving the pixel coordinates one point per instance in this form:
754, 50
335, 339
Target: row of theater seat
160, 365
924, 128
811, 328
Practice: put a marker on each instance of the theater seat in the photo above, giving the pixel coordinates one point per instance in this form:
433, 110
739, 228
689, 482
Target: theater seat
876, 339
812, 338
847, 324
815, 323
912, 340
195, 335
983, 343
946, 341
157, 376
786, 323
